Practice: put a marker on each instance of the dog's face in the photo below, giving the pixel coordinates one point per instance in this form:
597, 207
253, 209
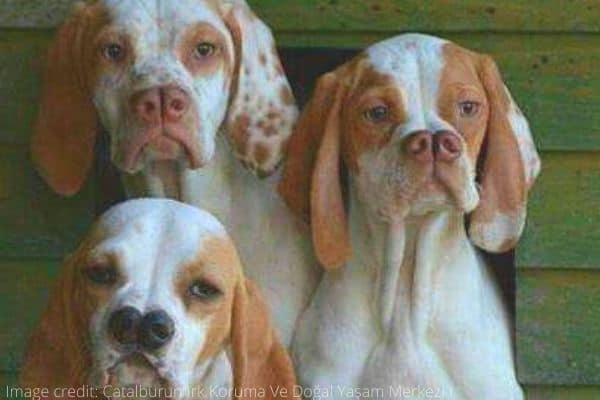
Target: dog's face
162, 78
160, 283
164, 72
154, 294
413, 119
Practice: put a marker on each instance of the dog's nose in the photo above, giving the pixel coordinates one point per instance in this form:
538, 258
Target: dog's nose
151, 105
156, 330
446, 146
123, 325
419, 146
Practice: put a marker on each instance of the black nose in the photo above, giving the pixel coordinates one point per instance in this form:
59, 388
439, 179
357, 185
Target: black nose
156, 329
123, 325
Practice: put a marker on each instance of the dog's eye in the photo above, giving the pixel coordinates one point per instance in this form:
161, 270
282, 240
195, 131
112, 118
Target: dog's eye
468, 108
113, 52
205, 49
204, 291
377, 114
105, 275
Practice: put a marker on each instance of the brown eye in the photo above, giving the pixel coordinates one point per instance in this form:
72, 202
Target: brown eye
204, 50
377, 114
468, 109
113, 52
105, 275
204, 291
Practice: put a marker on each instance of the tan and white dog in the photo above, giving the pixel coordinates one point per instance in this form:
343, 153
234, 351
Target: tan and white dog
425, 133
196, 103
155, 299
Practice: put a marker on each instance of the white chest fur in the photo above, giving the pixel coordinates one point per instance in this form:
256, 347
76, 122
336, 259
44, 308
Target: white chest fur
414, 314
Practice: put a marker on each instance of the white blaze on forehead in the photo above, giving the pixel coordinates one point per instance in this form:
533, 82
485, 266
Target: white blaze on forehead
154, 238
415, 62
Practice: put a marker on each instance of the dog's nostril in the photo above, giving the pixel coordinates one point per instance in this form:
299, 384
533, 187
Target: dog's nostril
123, 325
447, 146
419, 146
155, 330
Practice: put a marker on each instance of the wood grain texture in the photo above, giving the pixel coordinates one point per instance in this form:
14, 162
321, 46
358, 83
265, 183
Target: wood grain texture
35, 222
556, 80
557, 327
563, 229
332, 16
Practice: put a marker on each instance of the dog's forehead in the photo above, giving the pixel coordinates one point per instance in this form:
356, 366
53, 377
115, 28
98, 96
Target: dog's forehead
413, 61
166, 15
159, 231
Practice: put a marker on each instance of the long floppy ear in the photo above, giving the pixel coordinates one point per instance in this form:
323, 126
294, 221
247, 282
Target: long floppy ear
65, 131
260, 363
263, 110
510, 165
311, 183
57, 355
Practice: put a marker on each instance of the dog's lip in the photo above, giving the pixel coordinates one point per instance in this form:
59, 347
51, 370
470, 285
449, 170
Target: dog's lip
171, 133
156, 364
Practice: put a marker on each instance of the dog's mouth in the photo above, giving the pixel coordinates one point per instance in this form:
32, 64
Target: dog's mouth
137, 376
165, 143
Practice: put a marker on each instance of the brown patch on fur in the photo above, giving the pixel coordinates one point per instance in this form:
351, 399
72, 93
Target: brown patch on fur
217, 263
198, 33
60, 339
262, 58
460, 82
368, 89
287, 96
239, 134
262, 153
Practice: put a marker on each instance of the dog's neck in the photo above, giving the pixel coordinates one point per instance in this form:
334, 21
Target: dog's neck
405, 256
218, 187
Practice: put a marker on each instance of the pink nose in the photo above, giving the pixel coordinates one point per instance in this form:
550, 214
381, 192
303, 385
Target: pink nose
446, 146
167, 103
419, 146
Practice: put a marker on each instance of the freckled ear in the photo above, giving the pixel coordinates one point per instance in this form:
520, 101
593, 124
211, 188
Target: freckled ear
57, 354
62, 146
263, 110
259, 360
311, 183
510, 165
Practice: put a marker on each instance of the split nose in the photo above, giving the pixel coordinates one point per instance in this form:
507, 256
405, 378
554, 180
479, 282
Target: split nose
168, 103
151, 331
156, 330
424, 146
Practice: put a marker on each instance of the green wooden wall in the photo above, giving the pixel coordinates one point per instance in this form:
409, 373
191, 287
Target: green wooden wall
549, 52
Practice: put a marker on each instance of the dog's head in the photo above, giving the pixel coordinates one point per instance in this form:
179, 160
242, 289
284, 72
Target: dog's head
155, 293
422, 125
162, 78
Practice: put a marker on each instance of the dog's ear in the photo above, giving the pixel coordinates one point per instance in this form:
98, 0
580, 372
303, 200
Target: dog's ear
65, 131
57, 354
509, 166
262, 110
312, 183
260, 363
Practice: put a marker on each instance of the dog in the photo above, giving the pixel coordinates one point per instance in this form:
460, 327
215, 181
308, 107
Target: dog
197, 107
391, 154
155, 299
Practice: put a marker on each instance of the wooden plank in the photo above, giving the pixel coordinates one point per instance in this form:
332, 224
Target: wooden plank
557, 327
35, 222
562, 392
371, 15
25, 287
564, 214
555, 78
